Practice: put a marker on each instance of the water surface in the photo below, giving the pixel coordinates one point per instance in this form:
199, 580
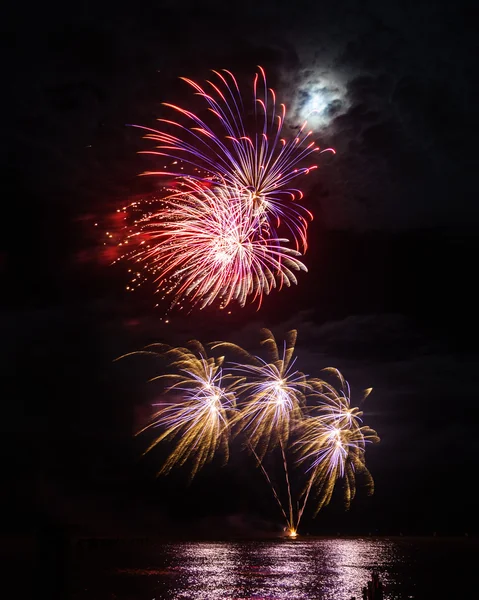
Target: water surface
303, 569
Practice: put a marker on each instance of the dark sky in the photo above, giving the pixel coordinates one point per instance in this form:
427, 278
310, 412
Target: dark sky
390, 297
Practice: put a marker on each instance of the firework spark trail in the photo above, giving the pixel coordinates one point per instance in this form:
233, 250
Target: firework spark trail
275, 493
207, 246
336, 402
291, 524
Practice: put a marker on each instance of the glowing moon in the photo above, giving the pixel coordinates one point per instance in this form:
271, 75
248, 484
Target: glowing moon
319, 98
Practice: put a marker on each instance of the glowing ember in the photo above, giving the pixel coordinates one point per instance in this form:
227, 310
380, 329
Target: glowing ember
292, 533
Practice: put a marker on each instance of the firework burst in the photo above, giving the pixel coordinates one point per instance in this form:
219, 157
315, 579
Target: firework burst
273, 392
196, 420
207, 246
332, 442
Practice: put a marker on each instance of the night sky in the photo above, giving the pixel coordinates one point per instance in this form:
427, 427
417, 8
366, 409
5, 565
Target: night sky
391, 293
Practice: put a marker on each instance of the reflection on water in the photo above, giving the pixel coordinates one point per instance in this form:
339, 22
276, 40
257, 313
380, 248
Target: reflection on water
327, 569
303, 569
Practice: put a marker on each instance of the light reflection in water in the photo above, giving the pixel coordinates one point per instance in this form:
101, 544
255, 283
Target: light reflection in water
330, 569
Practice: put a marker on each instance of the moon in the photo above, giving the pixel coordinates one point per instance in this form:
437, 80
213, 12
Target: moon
319, 98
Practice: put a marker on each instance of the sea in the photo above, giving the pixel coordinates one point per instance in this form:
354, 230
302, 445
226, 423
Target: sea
280, 569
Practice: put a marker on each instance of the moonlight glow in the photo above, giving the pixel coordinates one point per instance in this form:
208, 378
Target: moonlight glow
320, 97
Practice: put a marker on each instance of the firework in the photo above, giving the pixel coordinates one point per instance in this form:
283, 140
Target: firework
207, 246
234, 230
239, 148
196, 420
274, 408
332, 442
273, 392
336, 402
272, 395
